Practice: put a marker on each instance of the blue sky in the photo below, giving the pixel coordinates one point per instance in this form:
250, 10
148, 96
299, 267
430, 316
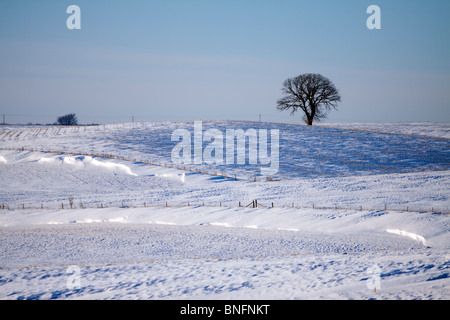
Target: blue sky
186, 60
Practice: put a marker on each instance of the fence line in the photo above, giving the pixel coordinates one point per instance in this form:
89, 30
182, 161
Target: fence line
254, 204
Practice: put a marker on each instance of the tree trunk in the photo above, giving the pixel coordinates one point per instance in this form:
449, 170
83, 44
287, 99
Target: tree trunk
310, 116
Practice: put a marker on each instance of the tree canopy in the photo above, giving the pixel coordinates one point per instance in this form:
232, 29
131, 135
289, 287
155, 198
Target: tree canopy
312, 93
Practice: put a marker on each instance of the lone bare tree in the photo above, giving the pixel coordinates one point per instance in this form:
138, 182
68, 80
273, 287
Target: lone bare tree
312, 93
68, 120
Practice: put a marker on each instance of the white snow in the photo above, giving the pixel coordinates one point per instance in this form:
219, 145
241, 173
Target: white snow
82, 161
427, 129
408, 234
142, 231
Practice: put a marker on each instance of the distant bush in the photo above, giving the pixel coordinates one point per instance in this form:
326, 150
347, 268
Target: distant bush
68, 120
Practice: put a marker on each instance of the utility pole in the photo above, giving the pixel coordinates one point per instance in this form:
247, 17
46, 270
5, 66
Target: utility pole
4, 119
259, 118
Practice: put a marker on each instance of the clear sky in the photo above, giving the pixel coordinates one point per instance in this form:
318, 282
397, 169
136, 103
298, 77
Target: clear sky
192, 59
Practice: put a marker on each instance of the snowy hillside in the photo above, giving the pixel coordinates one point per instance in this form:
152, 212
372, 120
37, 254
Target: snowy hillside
108, 202
305, 152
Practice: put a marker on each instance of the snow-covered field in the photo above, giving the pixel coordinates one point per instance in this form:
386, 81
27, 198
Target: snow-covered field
357, 211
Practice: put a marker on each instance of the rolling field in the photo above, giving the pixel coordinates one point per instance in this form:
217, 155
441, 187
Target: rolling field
106, 206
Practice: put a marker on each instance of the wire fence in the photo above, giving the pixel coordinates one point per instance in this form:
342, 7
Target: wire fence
70, 203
